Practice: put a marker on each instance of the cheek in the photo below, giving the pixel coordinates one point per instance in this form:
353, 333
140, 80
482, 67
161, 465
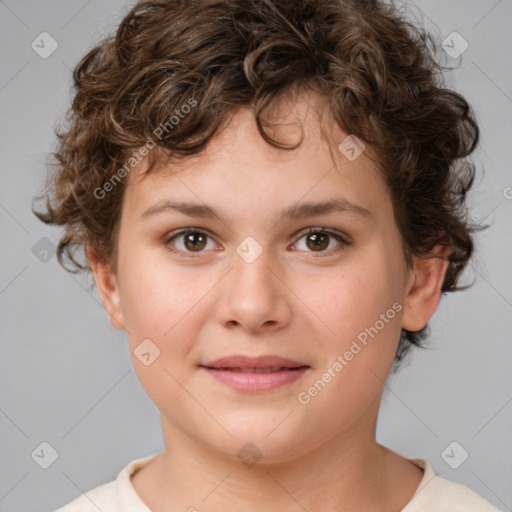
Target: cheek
161, 324
154, 295
166, 306
362, 310
352, 299
365, 341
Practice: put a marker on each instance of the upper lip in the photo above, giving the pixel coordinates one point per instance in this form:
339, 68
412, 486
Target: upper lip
240, 361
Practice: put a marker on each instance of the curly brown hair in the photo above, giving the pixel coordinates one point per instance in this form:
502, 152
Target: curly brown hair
377, 72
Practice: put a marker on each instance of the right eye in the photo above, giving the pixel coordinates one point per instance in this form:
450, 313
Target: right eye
194, 241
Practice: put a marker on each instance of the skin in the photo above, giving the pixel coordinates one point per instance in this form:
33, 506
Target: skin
294, 300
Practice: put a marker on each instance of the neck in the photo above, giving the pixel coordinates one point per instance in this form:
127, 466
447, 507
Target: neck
346, 473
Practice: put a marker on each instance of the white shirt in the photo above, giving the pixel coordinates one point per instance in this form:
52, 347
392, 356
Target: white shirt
434, 494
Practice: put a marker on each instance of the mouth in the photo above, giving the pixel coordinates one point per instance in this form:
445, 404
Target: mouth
253, 375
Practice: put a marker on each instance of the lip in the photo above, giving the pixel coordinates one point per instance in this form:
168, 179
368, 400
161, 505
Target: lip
228, 370
241, 361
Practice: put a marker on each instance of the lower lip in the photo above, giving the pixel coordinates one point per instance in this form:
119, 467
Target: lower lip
256, 382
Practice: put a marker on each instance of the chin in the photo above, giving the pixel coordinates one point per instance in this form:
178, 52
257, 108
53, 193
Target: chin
258, 441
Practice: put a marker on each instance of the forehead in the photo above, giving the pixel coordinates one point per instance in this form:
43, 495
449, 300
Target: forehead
240, 169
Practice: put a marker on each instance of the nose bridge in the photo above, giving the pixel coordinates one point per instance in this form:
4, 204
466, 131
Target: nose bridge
252, 295
252, 278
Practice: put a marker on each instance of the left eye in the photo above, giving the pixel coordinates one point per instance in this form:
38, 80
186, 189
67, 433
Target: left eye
195, 240
320, 239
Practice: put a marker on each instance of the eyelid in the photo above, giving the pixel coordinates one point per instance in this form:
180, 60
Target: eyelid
341, 237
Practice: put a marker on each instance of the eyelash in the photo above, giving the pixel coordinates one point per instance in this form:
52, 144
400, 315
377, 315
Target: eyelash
187, 231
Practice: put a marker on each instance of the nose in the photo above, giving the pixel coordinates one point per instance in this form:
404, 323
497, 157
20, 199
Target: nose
254, 297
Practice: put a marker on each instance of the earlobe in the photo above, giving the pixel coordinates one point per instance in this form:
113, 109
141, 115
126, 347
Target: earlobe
106, 283
425, 292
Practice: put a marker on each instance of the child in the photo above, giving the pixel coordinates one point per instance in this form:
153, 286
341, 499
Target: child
271, 198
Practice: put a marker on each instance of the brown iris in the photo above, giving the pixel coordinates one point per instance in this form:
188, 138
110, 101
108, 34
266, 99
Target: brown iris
320, 240
195, 241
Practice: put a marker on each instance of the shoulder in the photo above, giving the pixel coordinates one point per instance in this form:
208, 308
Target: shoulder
118, 495
102, 497
437, 493
459, 498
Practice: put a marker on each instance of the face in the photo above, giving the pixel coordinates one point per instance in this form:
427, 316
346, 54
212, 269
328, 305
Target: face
327, 290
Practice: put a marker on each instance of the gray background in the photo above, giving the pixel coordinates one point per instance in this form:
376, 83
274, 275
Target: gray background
66, 375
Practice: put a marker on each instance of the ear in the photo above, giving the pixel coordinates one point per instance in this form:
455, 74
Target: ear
425, 289
106, 283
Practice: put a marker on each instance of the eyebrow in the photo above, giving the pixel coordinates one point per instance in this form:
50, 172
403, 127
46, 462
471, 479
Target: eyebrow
297, 211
